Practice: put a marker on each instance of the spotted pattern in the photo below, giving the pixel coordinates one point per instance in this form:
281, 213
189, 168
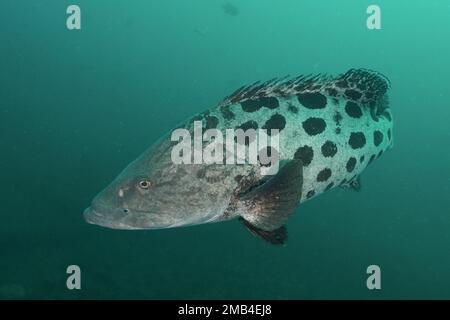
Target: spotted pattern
351, 163
329, 149
314, 126
335, 127
306, 154
357, 140
324, 175
377, 138
277, 121
312, 100
255, 105
353, 110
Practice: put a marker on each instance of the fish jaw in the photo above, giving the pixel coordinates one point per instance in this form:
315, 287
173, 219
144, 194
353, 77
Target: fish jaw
92, 216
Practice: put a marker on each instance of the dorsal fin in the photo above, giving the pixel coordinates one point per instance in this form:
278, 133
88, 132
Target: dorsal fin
362, 85
359, 85
277, 87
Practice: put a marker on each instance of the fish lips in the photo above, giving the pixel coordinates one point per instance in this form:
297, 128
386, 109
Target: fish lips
95, 217
121, 220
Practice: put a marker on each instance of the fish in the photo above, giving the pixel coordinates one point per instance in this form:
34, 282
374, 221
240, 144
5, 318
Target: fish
329, 128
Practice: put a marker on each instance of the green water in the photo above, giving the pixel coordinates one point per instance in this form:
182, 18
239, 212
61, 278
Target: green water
77, 106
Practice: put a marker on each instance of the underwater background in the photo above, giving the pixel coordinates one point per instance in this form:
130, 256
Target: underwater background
76, 106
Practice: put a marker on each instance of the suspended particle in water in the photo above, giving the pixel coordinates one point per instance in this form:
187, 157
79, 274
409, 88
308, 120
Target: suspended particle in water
230, 9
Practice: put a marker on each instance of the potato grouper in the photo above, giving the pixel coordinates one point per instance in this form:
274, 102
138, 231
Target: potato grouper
330, 129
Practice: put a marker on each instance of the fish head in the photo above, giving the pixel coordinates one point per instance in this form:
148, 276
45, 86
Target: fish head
154, 193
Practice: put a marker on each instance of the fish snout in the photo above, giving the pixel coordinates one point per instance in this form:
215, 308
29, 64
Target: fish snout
91, 216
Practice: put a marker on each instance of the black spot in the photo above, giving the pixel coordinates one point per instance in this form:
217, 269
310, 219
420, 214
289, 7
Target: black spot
353, 110
312, 100
314, 126
277, 121
238, 178
332, 92
353, 94
338, 130
211, 122
324, 175
254, 105
377, 138
371, 159
357, 140
310, 194
271, 102
305, 153
342, 84
389, 134
351, 163
246, 126
337, 118
361, 160
227, 113
251, 105
329, 149
329, 186
292, 108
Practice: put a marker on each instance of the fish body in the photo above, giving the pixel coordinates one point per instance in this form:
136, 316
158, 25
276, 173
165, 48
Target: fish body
329, 130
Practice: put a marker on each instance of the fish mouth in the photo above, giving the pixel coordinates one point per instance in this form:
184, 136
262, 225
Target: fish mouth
95, 217
119, 221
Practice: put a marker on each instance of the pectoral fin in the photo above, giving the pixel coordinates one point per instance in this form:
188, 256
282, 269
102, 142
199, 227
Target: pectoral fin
268, 206
276, 237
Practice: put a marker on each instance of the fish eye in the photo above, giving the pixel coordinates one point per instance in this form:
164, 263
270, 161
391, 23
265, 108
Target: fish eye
144, 184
